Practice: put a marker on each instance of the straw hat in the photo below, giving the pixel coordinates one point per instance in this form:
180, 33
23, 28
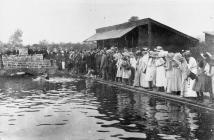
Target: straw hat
131, 54
158, 48
170, 56
145, 49
138, 52
186, 53
162, 53
126, 54
109, 51
153, 54
178, 57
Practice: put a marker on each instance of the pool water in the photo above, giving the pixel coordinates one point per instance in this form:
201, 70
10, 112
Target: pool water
81, 109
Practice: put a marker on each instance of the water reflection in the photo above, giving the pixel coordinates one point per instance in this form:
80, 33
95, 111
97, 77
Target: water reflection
69, 108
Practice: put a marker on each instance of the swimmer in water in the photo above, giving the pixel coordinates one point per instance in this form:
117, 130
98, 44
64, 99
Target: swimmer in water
45, 76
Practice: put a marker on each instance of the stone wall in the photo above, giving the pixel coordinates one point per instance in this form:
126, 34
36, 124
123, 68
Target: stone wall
25, 62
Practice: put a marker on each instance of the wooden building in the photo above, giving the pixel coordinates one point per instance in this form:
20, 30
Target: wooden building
209, 38
143, 33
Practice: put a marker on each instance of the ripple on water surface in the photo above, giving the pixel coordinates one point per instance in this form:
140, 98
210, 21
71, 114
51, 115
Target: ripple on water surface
80, 109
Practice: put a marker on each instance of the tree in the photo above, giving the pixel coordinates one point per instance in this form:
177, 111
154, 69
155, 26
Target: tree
15, 39
44, 44
133, 18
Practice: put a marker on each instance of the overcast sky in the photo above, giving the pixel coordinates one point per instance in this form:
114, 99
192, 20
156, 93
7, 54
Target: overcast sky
76, 20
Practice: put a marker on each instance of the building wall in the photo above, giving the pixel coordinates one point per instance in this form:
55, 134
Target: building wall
209, 39
20, 62
169, 40
143, 36
138, 37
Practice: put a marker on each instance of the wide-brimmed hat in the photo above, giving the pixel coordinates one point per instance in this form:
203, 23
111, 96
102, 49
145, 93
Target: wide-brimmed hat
170, 56
138, 52
162, 53
178, 57
117, 56
158, 48
186, 53
126, 54
109, 51
153, 54
145, 49
131, 54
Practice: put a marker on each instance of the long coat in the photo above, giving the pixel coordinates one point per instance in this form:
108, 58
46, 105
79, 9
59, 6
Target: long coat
104, 62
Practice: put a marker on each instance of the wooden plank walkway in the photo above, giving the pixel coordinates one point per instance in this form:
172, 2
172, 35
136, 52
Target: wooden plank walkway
182, 100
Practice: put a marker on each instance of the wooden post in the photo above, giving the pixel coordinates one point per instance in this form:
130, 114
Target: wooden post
132, 41
149, 35
126, 42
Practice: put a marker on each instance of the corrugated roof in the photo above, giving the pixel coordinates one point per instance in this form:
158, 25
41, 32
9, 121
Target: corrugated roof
110, 34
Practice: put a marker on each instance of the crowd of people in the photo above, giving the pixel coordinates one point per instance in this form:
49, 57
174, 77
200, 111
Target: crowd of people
173, 73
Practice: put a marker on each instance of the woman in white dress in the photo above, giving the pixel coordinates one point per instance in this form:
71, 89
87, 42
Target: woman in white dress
160, 74
137, 70
133, 63
151, 70
143, 65
119, 68
177, 75
184, 76
169, 72
192, 66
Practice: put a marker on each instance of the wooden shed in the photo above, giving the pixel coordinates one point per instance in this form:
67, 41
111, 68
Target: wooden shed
143, 33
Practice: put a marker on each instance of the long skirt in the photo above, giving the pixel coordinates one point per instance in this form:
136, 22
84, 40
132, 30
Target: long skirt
126, 73
137, 78
188, 88
174, 82
169, 80
160, 77
203, 84
63, 65
143, 82
119, 72
150, 73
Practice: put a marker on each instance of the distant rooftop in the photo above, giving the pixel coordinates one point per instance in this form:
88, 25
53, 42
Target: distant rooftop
210, 33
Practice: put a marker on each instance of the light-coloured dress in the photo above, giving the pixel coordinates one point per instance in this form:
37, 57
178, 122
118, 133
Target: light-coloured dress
126, 72
160, 73
119, 68
143, 66
169, 75
210, 71
184, 80
137, 73
133, 62
151, 70
177, 78
192, 66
